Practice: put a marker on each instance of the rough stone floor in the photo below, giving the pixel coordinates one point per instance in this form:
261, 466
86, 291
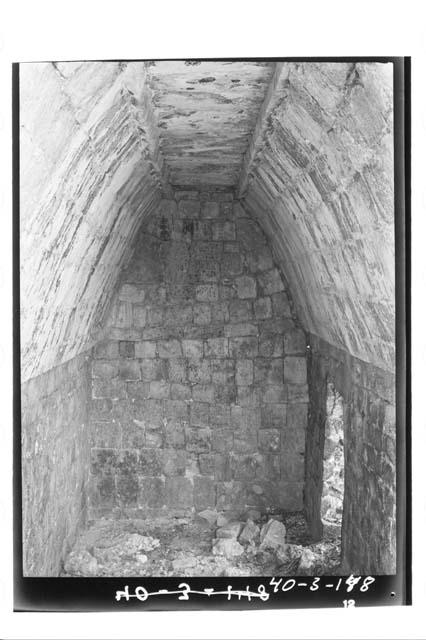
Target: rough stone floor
209, 545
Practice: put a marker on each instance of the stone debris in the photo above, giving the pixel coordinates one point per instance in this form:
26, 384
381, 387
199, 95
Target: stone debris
308, 560
272, 536
231, 530
227, 547
208, 515
253, 514
250, 533
182, 564
81, 563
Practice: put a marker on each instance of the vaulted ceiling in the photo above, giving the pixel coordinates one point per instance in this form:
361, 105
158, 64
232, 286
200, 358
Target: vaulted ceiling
307, 147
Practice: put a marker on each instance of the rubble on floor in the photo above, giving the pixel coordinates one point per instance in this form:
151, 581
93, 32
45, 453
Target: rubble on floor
209, 544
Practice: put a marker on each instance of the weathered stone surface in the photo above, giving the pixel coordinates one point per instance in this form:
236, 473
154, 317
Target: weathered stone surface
227, 547
272, 536
250, 533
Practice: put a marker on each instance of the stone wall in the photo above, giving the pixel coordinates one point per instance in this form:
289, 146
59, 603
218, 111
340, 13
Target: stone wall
199, 394
369, 511
55, 462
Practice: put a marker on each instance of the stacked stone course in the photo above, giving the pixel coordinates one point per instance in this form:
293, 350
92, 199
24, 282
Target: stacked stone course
199, 390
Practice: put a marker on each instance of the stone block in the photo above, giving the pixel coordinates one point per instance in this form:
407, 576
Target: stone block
179, 493
227, 291
220, 415
102, 491
240, 310
273, 416
114, 389
297, 392
225, 392
268, 371
230, 496
297, 417
189, 208
127, 333
206, 462
223, 230
204, 492
231, 265
177, 370
175, 434
230, 530
222, 467
180, 391
139, 315
269, 440
127, 489
151, 492
289, 495
149, 412
150, 462
159, 389
105, 435
207, 292
169, 348
104, 369
133, 435
192, 348
262, 308
250, 396
244, 372
126, 349
127, 461
131, 293
202, 314
244, 467
154, 437
154, 316
274, 326
178, 315
245, 441
103, 461
275, 394
294, 342
222, 370
270, 282
198, 439
186, 194
176, 409
216, 347
292, 467
222, 439
210, 210
272, 536
145, 349
271, 346
121, 315
174, 462
129, 370
246, 287
219, 312
281, 305
198, 371
269, 467
203, 392
241, 329
199, 414
250, 533
153, 369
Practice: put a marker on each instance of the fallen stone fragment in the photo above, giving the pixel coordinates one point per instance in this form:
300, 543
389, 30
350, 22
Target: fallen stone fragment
81, 563
272, 536
135, 542
307, 561
289, 553
227, 547
250, 532
253, 514
142, 558
231, 530
225, 518
208, 515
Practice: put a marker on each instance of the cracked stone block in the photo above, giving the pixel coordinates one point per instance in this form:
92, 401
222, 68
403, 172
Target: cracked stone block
269, 440
192, 348
207, 292
151, 492
179, 493
126, 349
204, 492
240, 310
145, 349
244, 372
262, 308
270, 282
169, 348
294, 342
216, 347
246, 287
223, 230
